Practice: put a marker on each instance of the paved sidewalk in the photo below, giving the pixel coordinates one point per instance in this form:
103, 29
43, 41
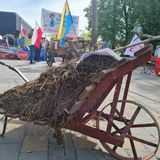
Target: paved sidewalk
25, 141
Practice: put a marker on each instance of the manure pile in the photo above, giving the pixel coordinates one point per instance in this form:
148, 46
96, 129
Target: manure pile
49, 97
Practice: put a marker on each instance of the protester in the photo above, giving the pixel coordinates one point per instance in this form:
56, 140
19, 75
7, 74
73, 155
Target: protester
37, 53
31, 46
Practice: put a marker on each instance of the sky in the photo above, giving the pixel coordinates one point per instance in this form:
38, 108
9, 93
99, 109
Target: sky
30, 10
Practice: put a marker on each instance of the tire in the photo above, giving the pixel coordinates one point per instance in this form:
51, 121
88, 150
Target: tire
49, 57
72, 55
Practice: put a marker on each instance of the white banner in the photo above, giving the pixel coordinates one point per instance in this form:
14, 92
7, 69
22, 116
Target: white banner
50, 23
157, 51
130, 51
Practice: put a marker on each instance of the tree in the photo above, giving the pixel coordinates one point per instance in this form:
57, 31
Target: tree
87, 35
118, 17
88, 14
149, 14
108, 20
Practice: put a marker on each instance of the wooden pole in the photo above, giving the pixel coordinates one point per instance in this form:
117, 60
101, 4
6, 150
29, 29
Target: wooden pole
94, 22
152, 38
41, 30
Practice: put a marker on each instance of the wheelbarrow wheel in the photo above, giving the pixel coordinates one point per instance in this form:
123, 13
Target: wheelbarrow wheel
136, 124
72, 55
49, 57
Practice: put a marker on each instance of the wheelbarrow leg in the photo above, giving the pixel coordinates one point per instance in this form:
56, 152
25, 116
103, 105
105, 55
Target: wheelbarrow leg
58, 135
4, 126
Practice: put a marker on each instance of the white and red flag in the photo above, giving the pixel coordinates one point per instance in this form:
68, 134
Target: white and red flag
6, 44
37, 36
23, 32
130, 51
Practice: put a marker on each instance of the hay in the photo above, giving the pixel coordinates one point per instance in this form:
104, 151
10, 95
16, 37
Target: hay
52, 95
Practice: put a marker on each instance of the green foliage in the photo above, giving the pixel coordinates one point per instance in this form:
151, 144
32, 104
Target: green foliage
50, 36
87, 35
116, 19
88, 11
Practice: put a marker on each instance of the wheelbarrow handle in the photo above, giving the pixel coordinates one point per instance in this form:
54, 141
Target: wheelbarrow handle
16, 70
2, 63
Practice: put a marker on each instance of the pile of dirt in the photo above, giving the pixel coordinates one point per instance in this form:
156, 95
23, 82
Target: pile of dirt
53, 94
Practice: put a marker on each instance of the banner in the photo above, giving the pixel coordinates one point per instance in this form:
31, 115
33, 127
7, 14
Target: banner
130, 51
50, 22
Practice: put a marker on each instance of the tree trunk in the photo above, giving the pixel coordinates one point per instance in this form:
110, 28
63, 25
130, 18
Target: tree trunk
94, 23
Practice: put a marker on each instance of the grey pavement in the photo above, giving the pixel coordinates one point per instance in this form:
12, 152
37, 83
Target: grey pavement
25, 141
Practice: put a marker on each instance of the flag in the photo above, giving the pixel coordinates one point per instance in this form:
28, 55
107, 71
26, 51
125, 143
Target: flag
130, 51
65, 23
157, 67
23, 32
37, 36
7, 44
157, 64
20, 40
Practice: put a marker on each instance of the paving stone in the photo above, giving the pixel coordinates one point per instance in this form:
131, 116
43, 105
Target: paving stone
158, 154
75, 146
36, 130
140, 152
33, 156
86, 154
153, 158
16, 124
9, 151
35, 143
107, 155
13, 136
56, 152
84, 142
70, 152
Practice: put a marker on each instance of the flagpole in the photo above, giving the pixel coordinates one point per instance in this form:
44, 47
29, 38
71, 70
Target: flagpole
42, 30
75, 30
76, 37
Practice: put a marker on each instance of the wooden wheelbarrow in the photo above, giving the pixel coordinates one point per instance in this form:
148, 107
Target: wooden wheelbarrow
123, 126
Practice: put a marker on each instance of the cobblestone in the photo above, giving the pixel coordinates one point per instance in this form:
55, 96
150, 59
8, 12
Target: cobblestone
25, 141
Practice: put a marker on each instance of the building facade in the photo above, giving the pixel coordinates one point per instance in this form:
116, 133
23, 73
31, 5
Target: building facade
10, 23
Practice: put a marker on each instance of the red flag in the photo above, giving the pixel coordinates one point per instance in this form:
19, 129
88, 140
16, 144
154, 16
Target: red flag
157, 67
37, 36
23, 32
